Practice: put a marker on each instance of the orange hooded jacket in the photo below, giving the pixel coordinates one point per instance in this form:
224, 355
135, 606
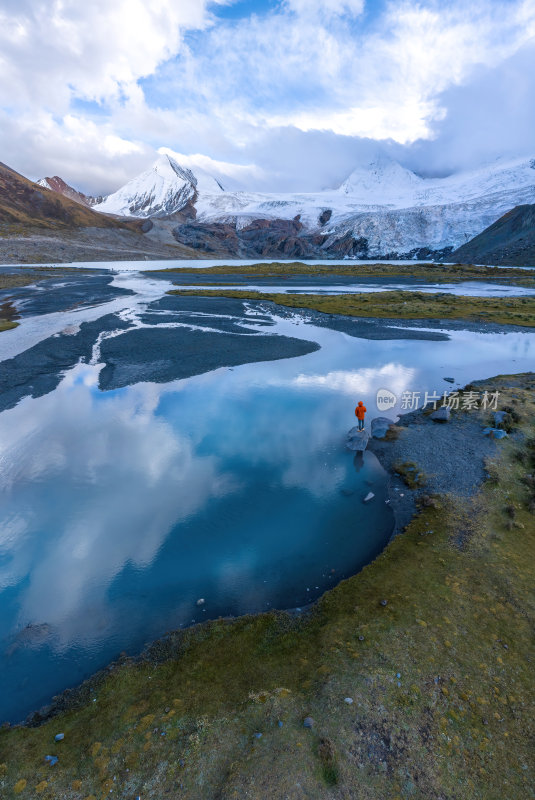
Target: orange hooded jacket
360, 410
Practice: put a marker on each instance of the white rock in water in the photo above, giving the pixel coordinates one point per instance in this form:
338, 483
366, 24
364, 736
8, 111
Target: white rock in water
368, 497
201, 601
71, 330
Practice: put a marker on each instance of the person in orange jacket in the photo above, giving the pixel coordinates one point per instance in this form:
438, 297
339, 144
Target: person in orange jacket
360, 412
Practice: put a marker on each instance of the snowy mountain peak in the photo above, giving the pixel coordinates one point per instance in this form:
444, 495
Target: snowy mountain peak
164, 189
169, 169
380, 181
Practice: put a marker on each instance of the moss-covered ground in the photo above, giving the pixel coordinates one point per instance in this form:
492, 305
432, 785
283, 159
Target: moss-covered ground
6, 324
396, 305
438, 273
432, 643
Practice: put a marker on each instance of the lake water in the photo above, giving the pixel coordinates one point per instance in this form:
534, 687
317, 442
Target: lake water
177, 450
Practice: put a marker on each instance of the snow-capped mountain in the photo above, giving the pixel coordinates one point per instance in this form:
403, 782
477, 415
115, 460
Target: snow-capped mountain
382, 208
392, 208
160, 191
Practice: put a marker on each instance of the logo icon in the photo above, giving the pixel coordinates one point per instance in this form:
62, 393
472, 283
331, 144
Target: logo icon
385, 399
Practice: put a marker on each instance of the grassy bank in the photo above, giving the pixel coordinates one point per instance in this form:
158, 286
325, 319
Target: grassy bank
432, 643
397, 305
438, 273
7, 325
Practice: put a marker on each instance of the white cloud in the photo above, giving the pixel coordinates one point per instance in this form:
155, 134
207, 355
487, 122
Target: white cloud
233, 175
53, 50
326, 8
88, 155
285, 100
364, 381
110, 516
387, 85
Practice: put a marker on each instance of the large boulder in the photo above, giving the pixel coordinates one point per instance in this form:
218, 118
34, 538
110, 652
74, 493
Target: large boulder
379, 427
357, 440
442, 414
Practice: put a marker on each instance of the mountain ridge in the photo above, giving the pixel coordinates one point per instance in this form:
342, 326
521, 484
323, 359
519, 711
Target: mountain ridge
381, 210
57, 184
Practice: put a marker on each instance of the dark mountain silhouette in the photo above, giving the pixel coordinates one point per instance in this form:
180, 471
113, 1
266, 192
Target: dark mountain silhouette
510, 241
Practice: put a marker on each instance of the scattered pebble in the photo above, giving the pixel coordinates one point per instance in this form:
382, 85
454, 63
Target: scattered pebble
398, 674
348, 700
59, 737
280, 723
257, 735
308, 722
52, 760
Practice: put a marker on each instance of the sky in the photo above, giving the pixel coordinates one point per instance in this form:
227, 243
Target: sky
275, 95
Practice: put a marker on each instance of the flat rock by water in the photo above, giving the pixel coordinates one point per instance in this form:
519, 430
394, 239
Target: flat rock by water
357, 440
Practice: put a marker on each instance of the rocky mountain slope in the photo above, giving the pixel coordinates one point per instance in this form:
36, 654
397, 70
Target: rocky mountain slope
23, 204
510, 240
57, 184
